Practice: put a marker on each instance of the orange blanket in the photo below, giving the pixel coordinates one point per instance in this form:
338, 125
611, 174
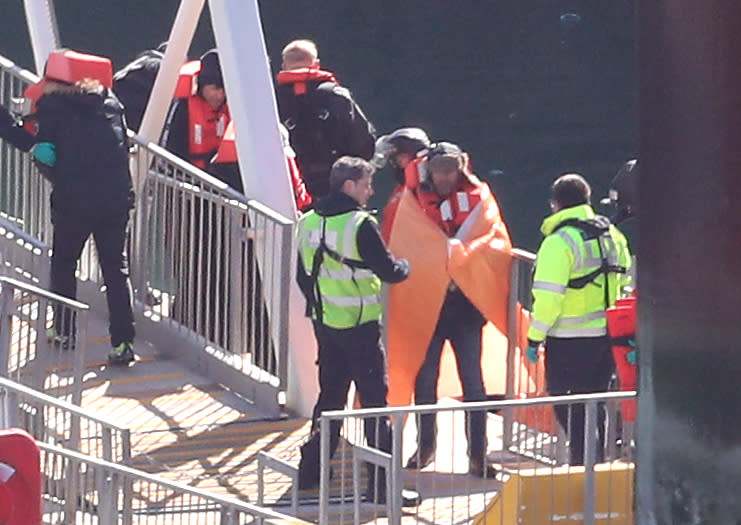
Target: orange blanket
478, 261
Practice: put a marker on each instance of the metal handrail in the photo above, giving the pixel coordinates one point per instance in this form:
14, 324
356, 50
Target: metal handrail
46, 294
223, 314
481, 405
116, 439
400, 414
113, 480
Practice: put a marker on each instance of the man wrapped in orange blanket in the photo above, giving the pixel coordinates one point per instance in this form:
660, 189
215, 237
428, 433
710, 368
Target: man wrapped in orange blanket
449, 227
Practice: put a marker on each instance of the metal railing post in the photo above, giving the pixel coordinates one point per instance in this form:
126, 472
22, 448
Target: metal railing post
6, 327
324, 460
237, 283
396, 473
107, 486
590, 449
284, 293
508, 413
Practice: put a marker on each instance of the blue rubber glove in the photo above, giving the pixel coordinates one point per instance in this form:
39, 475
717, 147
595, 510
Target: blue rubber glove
45, 153
532, 352
632, 357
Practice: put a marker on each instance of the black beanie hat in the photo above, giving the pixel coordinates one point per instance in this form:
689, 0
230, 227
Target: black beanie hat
210, 70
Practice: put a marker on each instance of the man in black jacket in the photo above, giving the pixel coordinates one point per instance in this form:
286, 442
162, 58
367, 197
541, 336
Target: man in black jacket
81, 146
133, 84
324, 121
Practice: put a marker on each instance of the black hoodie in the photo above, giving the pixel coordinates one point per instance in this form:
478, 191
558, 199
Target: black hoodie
91, 176
370, 244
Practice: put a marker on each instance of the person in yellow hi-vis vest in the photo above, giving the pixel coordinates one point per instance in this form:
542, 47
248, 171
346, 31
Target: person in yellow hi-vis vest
580, 271
341, 264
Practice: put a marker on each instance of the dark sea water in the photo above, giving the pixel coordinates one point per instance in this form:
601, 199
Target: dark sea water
531, 88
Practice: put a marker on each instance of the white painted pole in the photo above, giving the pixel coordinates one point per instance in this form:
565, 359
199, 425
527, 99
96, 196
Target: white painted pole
42, 27
178, 45
251, 98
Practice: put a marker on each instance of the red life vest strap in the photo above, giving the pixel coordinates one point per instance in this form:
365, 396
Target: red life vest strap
299, 77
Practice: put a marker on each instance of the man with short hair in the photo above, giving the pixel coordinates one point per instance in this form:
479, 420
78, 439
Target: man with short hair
342, 262
580, 271
324, 121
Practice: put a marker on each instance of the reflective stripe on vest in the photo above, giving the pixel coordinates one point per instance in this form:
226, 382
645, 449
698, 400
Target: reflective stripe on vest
349, 296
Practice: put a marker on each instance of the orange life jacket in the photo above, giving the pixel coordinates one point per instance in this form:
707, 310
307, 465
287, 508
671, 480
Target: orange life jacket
449, 213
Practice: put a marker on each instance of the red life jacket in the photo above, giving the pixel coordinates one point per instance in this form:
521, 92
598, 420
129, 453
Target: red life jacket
206, 127
449, 213
621, 326
20, 479
70, 67
299, 77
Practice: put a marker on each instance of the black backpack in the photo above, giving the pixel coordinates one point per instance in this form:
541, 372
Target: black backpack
314, 129
596, 228
133, 85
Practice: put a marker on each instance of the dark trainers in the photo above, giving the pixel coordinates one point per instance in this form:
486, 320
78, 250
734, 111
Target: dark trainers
122, 354
482, 469
421, 458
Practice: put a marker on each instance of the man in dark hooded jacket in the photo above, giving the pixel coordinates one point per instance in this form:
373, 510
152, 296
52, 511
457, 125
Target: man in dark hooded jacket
81, 147
134, 82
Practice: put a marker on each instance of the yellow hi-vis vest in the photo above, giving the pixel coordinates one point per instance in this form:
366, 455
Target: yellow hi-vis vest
346, 292
560, 310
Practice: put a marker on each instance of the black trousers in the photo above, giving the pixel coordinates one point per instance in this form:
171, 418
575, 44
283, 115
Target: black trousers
109, 233
579, 365
352, 355
466, 343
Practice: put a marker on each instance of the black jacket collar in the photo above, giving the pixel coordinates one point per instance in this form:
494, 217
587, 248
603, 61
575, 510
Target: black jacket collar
336, 203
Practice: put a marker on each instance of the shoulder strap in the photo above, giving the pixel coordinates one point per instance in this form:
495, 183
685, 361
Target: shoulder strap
316, 263
592, 228
595, 228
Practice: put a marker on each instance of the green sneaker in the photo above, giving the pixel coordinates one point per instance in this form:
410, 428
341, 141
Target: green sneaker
62, 341
122, 354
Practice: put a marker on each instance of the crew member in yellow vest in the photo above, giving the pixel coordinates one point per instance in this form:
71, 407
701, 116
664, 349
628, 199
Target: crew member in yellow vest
580, 271
342, 262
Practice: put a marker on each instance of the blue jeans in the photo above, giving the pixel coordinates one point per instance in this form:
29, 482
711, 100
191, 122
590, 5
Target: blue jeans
466, 342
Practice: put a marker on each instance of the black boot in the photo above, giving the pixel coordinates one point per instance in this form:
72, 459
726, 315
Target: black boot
308, 467
376, 491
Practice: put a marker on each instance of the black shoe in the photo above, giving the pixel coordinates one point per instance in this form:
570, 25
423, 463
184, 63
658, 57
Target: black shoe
307, 481
421, 458
409, 498
482, 469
